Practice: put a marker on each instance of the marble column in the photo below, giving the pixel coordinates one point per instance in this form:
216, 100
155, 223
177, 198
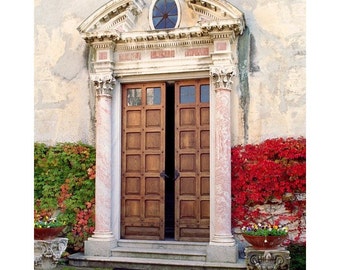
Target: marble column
222, 246
222, 188
103, 239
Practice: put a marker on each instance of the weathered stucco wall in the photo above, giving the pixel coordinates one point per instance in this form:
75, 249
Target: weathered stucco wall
276, 72
268, 101
63, 102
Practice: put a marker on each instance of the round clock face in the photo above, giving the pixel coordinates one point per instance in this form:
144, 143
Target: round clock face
165, 14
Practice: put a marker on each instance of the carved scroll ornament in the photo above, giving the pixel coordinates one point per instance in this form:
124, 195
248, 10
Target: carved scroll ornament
276, 259
48, 252
222, 76
103, 84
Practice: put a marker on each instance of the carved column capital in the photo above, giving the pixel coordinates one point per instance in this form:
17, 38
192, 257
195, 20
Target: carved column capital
274, 259
222, 76
48, 252
103, 84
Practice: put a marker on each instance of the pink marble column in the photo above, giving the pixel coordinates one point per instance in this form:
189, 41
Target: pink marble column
222, 182
103, 214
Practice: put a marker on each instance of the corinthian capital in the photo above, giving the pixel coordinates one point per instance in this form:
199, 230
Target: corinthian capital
222, 76
103, 84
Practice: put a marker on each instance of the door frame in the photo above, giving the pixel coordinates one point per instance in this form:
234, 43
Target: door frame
196, 49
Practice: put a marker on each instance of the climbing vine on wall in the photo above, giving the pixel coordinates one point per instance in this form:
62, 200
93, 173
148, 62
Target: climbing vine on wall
271, 174
64, 182
267, 177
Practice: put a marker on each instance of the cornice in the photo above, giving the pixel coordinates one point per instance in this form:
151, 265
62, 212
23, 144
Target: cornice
216, 9
215, 30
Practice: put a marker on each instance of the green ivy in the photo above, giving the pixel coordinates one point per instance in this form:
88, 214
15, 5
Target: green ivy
62, 183
297, 256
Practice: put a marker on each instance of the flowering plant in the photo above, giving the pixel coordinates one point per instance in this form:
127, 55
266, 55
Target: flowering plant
266, 180
47, 222
265, 230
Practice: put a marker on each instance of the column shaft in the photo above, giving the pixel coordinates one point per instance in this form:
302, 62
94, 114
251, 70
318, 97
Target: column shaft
222, 187
103, 166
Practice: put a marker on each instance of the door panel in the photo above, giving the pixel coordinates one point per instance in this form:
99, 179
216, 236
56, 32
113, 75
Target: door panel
143, 140
192, 188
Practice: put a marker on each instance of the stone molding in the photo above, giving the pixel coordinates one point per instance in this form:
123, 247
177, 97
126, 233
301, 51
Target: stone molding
103, 44
114, 15
222, 76
213, 30
215, 9
162, 42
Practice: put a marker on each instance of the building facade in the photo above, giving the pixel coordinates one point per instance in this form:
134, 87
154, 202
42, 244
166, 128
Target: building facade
164, 89
269, 98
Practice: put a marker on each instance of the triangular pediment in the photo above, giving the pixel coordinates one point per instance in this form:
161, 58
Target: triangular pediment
117, 18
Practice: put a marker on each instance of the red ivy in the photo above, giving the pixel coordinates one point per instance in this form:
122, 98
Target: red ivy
268, 173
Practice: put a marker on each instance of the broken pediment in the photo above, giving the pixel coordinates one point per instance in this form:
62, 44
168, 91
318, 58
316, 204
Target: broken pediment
117, 18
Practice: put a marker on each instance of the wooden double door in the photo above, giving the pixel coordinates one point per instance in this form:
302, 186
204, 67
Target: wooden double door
165, 161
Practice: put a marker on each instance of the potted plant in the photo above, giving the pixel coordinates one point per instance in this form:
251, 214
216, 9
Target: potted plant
47, 227
264, 236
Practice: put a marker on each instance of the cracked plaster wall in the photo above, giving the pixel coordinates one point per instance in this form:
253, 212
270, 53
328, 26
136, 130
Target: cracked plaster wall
268, 101
63, 99
274, 104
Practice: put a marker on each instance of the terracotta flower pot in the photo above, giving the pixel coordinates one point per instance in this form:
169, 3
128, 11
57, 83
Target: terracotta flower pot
47, 233
264, 242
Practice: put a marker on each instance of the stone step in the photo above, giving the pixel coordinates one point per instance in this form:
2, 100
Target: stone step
160, 253
172, 250
156, 244
80, 260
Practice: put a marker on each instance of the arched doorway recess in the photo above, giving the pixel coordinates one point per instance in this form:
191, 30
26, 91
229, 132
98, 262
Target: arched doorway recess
145, 65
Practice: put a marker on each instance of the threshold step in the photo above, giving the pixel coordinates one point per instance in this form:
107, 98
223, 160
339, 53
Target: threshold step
156, 244
173, 254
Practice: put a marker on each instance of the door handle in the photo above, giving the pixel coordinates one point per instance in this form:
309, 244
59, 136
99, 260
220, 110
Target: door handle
177, 174
163, 175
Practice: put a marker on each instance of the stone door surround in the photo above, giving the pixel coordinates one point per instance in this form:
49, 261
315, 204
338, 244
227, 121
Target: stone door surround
121, 51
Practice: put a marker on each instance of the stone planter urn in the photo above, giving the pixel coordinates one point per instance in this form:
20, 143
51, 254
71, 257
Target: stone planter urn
47, 233
264, 242
48, 247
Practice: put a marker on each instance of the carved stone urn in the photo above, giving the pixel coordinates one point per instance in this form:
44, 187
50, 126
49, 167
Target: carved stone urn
264, 242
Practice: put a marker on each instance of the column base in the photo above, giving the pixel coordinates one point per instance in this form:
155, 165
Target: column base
219, 252
100, 245
267, 259
48, 252
226, 240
